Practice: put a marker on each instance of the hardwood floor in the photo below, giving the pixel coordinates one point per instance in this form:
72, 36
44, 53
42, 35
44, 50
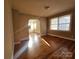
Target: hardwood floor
19, 45
48, 47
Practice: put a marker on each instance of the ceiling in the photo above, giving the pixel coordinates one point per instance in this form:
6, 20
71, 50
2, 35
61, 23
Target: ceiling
42, 8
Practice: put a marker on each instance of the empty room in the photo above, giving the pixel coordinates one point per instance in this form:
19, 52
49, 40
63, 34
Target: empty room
39, 29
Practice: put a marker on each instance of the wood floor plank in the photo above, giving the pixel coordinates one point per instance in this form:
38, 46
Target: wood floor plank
50, 47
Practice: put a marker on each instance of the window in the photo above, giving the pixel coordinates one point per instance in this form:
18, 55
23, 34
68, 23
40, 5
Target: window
64, 22
54, 24
60, 23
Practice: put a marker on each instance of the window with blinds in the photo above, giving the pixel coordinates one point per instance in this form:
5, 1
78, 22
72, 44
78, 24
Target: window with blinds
60, 23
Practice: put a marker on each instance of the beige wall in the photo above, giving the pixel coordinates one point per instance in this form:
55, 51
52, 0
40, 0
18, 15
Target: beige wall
64, 34
8, 31
43, 23
20, 24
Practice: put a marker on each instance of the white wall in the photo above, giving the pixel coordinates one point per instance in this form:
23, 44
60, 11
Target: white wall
8, 30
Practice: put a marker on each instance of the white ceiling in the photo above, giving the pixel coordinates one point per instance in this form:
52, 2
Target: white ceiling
36, 7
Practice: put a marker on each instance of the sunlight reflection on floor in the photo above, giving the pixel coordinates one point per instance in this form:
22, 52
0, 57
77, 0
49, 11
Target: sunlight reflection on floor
33, 40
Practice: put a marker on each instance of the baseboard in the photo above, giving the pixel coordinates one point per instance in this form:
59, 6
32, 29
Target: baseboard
43, 34
61, 37
17, 42
26, 38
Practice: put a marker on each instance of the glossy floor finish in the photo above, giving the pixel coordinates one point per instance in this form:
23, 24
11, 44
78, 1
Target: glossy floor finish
47, 47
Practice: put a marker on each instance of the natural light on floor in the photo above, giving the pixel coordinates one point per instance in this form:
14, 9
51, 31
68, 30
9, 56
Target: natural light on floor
33, 40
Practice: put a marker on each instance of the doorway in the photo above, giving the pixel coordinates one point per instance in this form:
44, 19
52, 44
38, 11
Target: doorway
34, 32
34, 26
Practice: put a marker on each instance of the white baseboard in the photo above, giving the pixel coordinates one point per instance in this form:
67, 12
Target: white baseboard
62, 37
43, 34
26, 38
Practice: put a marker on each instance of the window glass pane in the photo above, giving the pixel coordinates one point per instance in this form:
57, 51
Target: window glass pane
54, 21
60, 23
53, 27
64, 19
64, 27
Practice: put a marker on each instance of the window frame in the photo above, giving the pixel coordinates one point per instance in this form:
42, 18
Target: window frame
58, 23
53, 24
